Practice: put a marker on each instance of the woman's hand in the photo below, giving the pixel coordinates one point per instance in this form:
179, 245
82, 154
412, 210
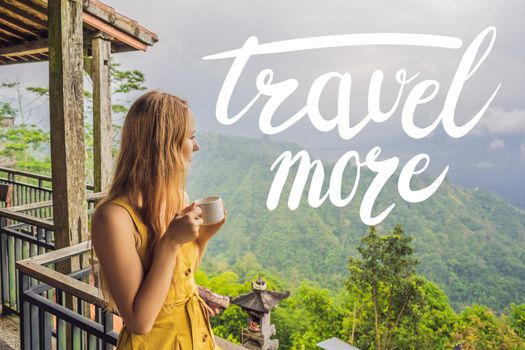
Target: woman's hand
213, 309
185, 226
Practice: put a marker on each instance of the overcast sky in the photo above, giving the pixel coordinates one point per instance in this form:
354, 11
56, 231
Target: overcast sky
492, 156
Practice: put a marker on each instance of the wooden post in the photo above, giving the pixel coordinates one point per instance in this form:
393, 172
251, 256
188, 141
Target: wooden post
101, 77
67, 125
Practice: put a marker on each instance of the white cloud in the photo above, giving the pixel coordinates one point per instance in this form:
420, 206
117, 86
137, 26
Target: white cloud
497, 143
502, 121
484, 165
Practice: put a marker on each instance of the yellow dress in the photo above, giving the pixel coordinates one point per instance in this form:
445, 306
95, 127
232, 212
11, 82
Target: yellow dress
183, 322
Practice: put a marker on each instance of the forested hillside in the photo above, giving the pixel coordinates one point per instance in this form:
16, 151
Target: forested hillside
470, 242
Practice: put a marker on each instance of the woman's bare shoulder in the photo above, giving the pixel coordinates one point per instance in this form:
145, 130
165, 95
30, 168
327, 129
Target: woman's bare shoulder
112, 218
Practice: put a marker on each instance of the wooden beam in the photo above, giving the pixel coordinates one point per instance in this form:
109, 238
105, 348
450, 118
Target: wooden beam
61, 281
119, 21
21, 58
26, 173
5, 40
19, 25
67, 126
39, 8
11, 33
25, 207
28, 219
102, 26
12, 61
15, 20
32, 47
21, 14
102, 129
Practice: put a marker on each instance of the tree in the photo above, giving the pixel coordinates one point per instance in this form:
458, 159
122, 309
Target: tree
390, 307
23, 145
385, 270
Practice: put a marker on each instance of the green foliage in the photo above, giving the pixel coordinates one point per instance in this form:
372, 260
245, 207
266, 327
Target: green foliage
6, 111
89, 146
517, 319
21, 143
119, 109
40, 91
309, 316
126, 81
26, 146
395, 308
9, 84
480, 328
229, 323
407, 311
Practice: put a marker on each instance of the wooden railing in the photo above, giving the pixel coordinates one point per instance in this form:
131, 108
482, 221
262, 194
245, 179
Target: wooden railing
29, 187
26, 231
66, 307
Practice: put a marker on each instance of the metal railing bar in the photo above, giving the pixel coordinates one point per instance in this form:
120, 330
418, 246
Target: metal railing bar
42, 287
64, 282
25, 173
9, 214
27, 238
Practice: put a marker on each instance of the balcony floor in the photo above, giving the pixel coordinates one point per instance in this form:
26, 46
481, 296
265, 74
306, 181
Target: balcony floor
9, 333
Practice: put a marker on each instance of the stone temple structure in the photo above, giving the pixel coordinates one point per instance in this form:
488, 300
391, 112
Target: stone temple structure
258, 303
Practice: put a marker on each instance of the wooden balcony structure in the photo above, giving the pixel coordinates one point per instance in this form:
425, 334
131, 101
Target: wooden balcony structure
72, 36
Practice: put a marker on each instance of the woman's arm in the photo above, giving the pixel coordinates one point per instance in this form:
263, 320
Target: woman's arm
206, 232
138, 296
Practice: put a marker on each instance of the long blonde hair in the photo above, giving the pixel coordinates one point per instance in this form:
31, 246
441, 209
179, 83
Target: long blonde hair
150, 165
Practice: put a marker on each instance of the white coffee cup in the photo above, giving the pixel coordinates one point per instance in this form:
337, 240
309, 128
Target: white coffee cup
212, 209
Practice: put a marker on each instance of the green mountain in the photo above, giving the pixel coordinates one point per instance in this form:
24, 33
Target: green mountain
470, 242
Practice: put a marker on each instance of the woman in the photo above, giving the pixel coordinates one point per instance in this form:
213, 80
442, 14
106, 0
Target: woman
148, 240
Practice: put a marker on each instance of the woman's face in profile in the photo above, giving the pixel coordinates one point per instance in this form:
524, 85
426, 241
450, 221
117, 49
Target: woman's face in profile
190, 144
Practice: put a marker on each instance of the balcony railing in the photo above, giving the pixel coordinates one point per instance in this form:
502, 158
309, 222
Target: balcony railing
29, 187
65, 307
26, 231
26, 228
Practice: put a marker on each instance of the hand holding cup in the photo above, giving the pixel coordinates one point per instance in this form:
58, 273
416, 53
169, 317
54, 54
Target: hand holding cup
185, 226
